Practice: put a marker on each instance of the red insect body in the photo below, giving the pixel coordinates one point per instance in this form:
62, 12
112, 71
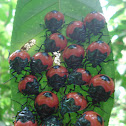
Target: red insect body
79, 100
18, 53
45, 59
76, 50
90, 118
51, 101
29, 123
99, 80
95, 15
59, 16
61, 71
102, 47
72, 26
85, 75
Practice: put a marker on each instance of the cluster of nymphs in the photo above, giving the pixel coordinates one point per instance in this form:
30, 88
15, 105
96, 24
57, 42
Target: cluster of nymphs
50, 110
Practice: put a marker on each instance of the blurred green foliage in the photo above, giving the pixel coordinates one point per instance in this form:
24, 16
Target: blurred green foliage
117, 29
7, 9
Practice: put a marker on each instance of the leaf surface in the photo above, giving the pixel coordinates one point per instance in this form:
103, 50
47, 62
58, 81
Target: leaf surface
30, 14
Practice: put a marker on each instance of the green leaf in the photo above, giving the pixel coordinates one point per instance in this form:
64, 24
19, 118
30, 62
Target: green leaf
3, 15
114, 3
118, 13
10, 14
29, 15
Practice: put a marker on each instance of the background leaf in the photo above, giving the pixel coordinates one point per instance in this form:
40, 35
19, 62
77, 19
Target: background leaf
30, 14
